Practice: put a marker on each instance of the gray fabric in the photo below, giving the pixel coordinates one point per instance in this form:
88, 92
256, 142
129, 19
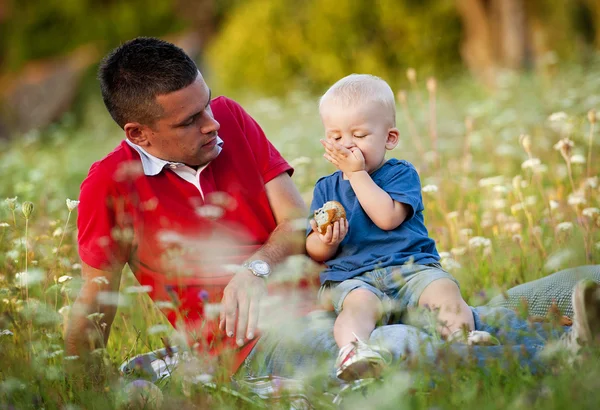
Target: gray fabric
538, 295
283, 351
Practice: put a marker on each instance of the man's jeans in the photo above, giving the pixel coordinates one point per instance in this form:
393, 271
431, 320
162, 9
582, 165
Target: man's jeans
307, 347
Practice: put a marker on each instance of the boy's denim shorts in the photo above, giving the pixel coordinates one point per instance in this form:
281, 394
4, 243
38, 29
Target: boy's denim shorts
398, 287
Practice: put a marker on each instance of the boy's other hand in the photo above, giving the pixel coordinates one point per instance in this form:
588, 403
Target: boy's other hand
347, 160
335, 233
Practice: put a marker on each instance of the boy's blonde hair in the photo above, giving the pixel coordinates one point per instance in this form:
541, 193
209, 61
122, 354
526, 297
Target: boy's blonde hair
356, 89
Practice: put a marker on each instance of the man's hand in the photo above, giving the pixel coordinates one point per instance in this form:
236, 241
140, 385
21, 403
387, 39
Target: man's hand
335, 233
241, 298
346, 160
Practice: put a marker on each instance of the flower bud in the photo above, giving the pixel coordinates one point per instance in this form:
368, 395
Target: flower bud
401, 95
411, 74
592, 116
11, 203
525, 141
431, 85
27, 209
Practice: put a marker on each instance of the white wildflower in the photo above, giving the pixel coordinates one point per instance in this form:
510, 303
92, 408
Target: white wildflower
164, 304
450, 264
591, 212
558, 116
466, 232
491, 181
6, 332
158, 329
517, 182
576, 199
138, 289
479, 242
540, 169
4, 225
71, 358
592, 182
72, 204
452, 215
11, 203
64, 278
564, 145
300, 161
430, 188
212, 310
530, 200
458, 251
553, 204
444, 255
517, 238
564, 227
577, 159
100, 280
500, 189
95, 316
514, 227
29, 278
57, 232
64, 311
499, 203
531, 163
559, 260
210, 211
516, 208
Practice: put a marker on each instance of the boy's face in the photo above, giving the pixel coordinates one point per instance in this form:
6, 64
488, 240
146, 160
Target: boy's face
368, 127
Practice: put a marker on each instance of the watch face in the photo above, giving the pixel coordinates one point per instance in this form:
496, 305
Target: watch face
260, 267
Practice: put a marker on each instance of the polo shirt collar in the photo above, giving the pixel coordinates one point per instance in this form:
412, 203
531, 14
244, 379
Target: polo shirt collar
153, 165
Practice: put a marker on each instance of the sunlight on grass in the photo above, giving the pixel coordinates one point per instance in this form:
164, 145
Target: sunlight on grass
511, 194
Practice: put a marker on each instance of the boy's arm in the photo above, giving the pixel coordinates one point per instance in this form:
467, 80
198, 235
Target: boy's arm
318, 250
386, 213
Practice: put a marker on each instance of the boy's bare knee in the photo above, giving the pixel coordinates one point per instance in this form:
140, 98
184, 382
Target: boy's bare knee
440, 290
359, 298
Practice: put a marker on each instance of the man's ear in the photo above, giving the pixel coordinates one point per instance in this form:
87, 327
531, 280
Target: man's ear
137, 133
393, 138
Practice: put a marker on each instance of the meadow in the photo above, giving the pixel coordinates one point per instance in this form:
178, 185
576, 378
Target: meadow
511, 190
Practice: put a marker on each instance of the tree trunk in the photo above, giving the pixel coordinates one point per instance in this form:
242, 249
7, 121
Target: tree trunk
477, 46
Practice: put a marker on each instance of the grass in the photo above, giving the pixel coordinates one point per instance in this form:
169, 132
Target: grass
503, 203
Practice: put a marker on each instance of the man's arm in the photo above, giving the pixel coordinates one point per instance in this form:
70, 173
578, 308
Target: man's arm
244, 292
84, 334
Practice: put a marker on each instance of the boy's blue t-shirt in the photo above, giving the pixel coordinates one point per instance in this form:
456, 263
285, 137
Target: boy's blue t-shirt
367, 247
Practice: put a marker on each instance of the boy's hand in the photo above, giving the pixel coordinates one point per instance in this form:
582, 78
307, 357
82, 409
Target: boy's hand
335, 233
346, 160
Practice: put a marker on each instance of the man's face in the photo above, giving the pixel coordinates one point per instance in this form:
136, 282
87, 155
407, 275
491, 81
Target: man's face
187, 130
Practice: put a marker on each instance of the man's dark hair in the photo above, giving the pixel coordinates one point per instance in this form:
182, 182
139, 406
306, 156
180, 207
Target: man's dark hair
134, 74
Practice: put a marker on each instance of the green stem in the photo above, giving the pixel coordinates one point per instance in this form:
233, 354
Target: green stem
26, 258
63, 234
589, 160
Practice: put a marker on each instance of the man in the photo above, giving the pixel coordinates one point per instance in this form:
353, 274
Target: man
194, 193
194, 189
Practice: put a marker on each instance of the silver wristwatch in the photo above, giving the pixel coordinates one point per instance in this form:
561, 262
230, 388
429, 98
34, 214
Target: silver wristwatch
258, 268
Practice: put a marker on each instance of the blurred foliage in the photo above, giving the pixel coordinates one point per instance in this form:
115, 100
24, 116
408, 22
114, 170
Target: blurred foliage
315, 42
38, 29
280, 45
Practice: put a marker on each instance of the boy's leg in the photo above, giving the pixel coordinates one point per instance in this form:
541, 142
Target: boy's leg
453, 313
361, 310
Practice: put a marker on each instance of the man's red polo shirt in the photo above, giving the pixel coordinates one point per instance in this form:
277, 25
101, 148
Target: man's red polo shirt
173, 238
